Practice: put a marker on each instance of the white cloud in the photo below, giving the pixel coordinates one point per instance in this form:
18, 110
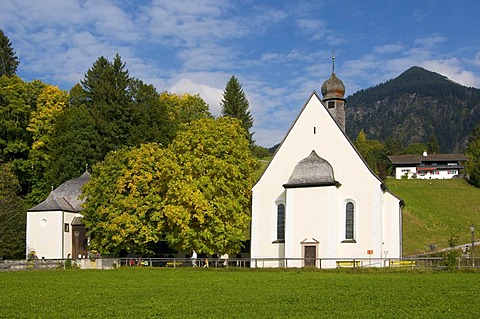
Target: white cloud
451, 68
388, 48
476, 59
211, 95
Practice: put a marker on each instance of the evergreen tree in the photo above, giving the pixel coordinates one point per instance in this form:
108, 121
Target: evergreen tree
107, 88
235, 104
473, 153
393, 146
72, 145
8, 59
415, 148
432, 146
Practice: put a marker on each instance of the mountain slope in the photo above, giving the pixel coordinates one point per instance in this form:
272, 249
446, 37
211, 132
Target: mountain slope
413, 106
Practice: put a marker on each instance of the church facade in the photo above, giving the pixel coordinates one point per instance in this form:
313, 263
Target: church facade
318, 203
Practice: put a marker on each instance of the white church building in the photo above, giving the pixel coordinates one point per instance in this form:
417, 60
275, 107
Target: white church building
317, 203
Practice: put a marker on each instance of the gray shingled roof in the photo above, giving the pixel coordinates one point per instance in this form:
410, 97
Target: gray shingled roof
312, 171
65, 197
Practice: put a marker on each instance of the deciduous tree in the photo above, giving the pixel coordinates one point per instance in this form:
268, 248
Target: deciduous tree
374, 153
12, 216
50, 104
18, 100
207, 206
125, 192
183, 109
195, 194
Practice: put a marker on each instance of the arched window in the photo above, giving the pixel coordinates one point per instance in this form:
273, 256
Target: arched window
349, 221
281, 222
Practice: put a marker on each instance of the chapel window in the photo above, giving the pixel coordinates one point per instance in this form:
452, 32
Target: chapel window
349, 221
281, 222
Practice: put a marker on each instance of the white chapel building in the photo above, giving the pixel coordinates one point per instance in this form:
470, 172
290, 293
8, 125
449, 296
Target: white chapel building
318, 203
54, 227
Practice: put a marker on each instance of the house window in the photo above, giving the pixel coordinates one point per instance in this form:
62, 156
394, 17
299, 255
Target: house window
67, 227
331, 104
281, 222
349, 221
452, 172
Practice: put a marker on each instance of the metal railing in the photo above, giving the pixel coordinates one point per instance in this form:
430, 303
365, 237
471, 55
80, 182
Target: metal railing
320, 263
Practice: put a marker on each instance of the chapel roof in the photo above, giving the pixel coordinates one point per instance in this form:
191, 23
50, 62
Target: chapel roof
65, 197
312, 171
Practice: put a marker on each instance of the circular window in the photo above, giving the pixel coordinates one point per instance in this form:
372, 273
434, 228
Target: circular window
43, 222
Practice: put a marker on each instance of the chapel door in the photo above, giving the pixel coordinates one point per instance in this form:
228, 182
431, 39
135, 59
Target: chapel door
310, 254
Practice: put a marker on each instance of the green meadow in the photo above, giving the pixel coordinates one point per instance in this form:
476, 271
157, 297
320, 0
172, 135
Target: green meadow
436, 210
238, 293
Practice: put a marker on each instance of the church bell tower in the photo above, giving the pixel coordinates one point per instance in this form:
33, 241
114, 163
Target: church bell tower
333, 91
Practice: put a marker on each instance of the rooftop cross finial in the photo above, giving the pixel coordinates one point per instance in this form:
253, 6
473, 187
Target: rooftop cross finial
86, 167
333, 60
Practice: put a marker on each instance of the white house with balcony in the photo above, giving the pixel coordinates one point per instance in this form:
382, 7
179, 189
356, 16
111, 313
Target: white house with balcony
428, 166
318, 203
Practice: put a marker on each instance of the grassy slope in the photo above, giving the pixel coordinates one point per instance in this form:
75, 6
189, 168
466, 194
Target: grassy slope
435, 210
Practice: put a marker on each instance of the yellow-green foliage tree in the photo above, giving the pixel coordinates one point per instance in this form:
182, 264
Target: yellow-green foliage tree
374, 153
126, 190
182, 109
18, 100
195, 194
50, 104
207, 205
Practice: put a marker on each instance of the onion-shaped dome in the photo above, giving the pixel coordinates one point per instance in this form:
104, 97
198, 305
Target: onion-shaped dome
333, 88
312, 171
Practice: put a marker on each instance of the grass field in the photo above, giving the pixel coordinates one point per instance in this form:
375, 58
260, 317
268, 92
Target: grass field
229, 293
435, 210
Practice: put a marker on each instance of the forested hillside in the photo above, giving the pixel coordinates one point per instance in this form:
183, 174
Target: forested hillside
413, 107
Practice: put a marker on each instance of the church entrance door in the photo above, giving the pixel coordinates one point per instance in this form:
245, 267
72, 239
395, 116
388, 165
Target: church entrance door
310, 254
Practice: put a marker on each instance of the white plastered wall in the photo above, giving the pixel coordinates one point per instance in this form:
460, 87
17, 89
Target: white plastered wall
46, 234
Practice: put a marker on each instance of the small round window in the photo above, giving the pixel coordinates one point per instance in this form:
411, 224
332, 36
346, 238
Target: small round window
43, 222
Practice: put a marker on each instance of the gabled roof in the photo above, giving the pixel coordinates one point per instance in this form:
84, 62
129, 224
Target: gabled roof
382, 184
65, 197
418, 159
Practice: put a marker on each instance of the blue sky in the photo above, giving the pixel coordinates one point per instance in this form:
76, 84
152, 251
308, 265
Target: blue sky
279, 50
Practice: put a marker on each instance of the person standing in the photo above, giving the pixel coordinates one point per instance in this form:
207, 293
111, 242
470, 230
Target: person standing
194, 258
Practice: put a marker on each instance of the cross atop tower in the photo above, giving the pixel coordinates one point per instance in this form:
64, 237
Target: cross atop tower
333, 60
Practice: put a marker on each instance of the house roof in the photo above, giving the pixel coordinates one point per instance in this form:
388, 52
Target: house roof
65, 197
418, 159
